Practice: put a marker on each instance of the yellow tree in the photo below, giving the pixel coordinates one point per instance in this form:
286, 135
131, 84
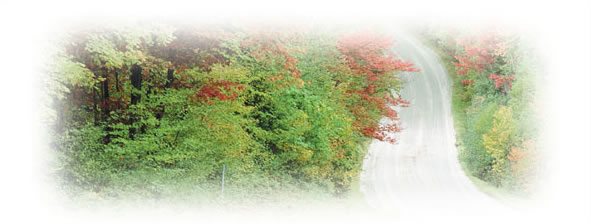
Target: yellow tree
498, 141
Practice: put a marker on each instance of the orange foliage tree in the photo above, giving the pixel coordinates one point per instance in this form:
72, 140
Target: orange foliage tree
374, 66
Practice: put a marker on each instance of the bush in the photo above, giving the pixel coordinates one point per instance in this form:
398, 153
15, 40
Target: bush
143, 116
494, 104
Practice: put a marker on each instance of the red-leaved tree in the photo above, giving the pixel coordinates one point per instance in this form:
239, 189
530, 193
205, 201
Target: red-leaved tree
374, 67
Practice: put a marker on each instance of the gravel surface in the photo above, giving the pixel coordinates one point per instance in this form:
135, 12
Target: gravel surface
421, 172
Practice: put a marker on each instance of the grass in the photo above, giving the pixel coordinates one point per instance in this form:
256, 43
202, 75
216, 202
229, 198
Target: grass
185, 192
355, 194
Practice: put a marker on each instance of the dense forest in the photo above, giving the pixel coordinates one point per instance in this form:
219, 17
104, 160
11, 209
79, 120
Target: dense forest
495, 103
156, 110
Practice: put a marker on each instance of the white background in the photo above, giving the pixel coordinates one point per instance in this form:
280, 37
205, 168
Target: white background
562, 27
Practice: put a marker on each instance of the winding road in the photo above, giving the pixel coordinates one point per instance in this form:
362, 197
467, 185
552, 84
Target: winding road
421, 174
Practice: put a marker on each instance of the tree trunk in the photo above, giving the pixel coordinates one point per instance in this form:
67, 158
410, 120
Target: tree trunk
169, 78
94, 108
105, 97
106, 106
136, 82
117, 81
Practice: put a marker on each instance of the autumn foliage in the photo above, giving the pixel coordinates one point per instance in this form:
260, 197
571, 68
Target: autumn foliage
368, 56
494, 105
220, 90
143, 105
502, 81
485, 52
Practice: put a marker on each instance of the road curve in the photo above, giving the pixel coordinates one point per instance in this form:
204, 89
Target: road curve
421, 172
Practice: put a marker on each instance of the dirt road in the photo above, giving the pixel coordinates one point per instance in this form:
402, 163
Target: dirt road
421, 172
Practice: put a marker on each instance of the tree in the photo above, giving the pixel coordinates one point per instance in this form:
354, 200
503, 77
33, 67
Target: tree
373, 68
498, 141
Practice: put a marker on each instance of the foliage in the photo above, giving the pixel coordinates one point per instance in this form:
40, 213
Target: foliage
367, 57
494, 104
498, 141
147, 109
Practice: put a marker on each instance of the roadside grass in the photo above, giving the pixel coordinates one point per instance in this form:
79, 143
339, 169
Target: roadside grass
183, 193
315, 199
355, 196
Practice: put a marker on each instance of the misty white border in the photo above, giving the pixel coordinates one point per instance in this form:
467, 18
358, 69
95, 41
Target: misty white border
562, 27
